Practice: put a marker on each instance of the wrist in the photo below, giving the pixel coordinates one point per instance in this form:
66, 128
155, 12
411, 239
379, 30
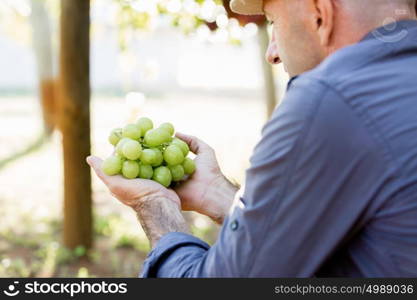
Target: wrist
146, 202
159, 216
219, 199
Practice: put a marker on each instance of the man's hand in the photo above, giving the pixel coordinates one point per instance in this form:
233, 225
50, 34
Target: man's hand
207, 191
158, 208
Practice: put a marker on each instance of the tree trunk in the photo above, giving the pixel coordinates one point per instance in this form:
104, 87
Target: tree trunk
42, 44
269, 82
74, 120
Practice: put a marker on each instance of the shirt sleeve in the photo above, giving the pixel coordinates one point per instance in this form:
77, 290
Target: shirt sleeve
307, 191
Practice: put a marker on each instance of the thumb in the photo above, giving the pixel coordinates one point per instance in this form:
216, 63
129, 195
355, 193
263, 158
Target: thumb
196, 145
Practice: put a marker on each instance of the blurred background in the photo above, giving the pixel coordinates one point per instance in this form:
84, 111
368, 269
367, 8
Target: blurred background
72, 70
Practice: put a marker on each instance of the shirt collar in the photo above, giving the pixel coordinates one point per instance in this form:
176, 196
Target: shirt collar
291, 81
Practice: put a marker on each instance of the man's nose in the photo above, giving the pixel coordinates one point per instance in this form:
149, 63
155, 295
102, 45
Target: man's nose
272, 55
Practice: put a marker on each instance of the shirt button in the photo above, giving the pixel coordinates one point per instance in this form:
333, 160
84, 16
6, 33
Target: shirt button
234, 225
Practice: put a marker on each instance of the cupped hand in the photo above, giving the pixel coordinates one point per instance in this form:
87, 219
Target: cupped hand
132, 192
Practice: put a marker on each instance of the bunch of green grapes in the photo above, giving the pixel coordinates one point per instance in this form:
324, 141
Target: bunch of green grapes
142, 151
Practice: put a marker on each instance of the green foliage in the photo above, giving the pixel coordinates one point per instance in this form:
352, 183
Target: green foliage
15, 267
186, 15
120, 233
130, 20
30, 247
80, 251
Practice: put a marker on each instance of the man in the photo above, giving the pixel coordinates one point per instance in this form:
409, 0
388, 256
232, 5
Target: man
332, 187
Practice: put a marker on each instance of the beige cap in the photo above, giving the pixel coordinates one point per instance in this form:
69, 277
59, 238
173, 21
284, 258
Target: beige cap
247, 7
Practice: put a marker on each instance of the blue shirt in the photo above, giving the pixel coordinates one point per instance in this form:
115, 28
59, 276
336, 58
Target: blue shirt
332, 186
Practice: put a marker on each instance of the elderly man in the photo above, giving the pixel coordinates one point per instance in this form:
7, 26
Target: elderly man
332, 186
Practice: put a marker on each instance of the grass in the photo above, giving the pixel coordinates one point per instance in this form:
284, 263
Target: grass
32, 249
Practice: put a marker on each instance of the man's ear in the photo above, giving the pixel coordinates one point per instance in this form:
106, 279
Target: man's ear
325, 20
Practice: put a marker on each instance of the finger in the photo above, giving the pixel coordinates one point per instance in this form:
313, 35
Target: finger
95, 162
196, 145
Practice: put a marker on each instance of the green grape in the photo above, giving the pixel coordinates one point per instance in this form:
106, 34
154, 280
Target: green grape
189, 166
146, 171
132, 150
132, 131
159, 158
173, 155
177, 172
115, 136
145, 125
183, 145
169, 128
163, 176
112, 165
120, 156
148, 157
119, 146
157, 137
130, 169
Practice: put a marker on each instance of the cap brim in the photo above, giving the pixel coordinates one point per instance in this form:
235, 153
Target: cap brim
247, 7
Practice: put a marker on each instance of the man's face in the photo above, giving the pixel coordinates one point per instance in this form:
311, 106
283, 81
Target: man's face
295, 41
